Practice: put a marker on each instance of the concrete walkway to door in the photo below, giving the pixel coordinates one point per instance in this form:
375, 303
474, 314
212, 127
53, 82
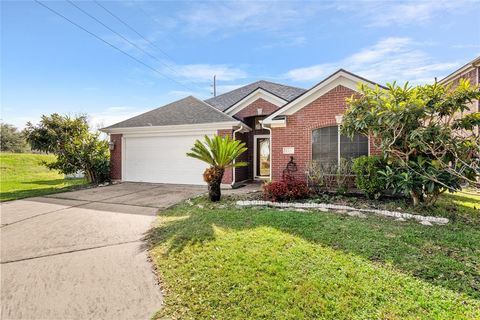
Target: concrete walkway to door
81, 254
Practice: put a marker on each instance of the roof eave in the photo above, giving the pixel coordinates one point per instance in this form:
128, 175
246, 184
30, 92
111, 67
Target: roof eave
319, 86
176, 128
457, 73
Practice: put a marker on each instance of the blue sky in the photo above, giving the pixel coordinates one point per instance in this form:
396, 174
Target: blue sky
49, 65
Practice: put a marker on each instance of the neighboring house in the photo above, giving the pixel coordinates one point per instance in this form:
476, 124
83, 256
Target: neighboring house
470, 71
276, 122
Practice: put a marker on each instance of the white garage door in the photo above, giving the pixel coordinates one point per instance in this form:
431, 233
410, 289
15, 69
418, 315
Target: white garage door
162, 159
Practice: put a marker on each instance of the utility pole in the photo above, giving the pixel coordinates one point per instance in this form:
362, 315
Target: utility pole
214, 85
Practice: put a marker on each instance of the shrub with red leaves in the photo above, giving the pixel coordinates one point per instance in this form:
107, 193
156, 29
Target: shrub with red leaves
287, 189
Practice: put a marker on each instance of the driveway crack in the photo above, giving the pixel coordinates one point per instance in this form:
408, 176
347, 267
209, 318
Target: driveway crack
71, 251
42, 214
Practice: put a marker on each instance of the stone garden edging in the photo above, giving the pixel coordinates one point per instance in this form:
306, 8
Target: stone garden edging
425, 220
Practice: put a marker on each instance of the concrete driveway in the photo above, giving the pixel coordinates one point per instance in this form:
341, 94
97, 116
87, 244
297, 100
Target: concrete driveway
80, 255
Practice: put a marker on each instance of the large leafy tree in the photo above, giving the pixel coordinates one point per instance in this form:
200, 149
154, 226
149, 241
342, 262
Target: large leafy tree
76, 148
11, 139
427, 134
220, 153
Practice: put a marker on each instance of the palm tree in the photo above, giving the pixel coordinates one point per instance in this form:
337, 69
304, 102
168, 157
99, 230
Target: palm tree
220, 153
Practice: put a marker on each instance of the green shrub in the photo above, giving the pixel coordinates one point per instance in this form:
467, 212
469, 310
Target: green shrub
330, 177
424, 132
286, 189
368, 179
76, 148
12, 140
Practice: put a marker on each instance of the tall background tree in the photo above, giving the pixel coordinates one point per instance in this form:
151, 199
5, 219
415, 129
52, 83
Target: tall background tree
220, 153
430, 141
76, 148
12, 140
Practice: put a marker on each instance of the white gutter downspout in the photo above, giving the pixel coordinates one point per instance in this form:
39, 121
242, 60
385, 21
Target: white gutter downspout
271, 144
233, 169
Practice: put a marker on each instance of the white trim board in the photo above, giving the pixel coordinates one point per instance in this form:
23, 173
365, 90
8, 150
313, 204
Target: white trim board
178, 128
339, 78
258, 93
462, 70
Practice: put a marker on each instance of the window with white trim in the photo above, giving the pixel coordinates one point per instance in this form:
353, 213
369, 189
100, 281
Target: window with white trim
329, 146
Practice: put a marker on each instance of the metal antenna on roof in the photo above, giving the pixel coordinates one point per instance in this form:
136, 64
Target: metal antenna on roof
214, 85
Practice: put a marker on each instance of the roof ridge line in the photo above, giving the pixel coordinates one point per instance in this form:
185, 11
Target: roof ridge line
209, 105
282, 84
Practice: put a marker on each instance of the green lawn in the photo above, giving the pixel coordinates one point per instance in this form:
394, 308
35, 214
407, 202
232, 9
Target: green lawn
22, 175
219, 262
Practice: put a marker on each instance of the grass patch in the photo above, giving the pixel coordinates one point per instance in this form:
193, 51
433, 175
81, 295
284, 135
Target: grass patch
217, 261
23, 175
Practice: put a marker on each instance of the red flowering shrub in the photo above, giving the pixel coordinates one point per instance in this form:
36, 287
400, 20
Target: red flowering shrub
285, 190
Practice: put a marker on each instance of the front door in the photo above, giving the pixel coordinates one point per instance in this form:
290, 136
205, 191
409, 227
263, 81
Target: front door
262, 160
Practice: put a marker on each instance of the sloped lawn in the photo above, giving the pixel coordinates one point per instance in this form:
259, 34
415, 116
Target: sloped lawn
219, 262
23, 175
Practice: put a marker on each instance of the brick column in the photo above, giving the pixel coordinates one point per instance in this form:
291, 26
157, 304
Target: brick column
116, 157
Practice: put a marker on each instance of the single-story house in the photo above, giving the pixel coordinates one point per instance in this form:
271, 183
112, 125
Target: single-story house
471, 72
276, 121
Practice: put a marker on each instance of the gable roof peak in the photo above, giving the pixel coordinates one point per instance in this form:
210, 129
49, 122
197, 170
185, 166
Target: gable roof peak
341, 77
350, 74
225, 100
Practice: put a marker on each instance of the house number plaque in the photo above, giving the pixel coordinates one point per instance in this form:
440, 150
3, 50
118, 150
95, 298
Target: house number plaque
288, 150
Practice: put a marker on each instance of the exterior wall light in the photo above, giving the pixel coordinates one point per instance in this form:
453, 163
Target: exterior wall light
339, 119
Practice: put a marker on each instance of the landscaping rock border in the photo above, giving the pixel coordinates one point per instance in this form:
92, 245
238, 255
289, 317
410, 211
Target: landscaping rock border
424, 220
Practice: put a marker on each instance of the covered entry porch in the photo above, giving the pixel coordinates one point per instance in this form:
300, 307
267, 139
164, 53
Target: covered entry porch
258, 154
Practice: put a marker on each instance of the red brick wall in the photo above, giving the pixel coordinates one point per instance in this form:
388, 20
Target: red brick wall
470, 75
252, 109
248, 115
373, 149
116, 157
474, 77
298, 132
228, 175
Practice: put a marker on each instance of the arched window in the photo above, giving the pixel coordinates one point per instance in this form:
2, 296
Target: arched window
329, 146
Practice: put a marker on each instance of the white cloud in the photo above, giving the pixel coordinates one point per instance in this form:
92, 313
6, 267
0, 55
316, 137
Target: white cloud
390, 59
314, 72
466, 46
239, 16
284, 40
227, 87
201, 73
112, 115
206, 18
20, 121
402, 13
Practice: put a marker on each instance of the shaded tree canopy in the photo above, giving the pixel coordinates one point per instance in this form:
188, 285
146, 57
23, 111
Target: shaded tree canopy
12, 140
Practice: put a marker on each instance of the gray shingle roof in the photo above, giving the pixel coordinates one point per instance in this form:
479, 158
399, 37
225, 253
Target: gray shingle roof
189, 110
228, 99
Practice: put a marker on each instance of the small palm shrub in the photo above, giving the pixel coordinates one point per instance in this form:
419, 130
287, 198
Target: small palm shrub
220, 153
368, 175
